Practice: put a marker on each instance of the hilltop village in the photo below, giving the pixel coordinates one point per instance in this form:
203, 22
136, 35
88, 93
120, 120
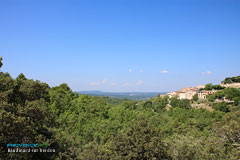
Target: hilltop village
210, 97
202, 92
189, 92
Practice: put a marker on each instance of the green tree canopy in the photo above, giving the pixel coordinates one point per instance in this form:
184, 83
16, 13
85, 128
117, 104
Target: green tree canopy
25, 116
231, 80
141, 140
223, 106
1, 62
210, 86
183, 103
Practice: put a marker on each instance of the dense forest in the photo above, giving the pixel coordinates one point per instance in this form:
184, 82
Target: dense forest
102, 128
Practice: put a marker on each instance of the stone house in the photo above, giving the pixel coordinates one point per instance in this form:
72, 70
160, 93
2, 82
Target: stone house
203, 94
173, 94
188, 94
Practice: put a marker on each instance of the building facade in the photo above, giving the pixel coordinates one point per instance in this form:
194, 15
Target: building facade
203, 94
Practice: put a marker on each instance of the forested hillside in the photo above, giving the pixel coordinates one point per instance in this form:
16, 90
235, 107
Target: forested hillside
89, 127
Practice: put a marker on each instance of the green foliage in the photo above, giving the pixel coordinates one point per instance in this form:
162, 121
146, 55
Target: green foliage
223, 106
185, 147
211, 98
232, 94
219, 94
174, 102
228, 133
192, 121
25, 116
147, 104
231, 80
217, 87
1, 62
184, 103
210, 86
139, 141
160, 103
21, 76
195, 97
132, 104
60, 98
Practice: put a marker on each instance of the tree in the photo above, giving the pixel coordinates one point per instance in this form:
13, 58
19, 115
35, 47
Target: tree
184, 103
229, 134
223, 106
208, 86
25, 116
147, 104
195, 97
228, 80
232, 94
160, 103
231, 80
219, 94
174, 102
21, 76
140, 141
60, 98
1, 62
185, 147
211, 98
217, 87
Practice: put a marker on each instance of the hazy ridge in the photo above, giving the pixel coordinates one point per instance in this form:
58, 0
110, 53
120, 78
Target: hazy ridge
122, 95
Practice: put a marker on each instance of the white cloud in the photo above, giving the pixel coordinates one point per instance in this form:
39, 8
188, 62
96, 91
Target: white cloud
112, 84
139, 83
130, 70
95, 84
141, 71
98, 83
164, 71
125, 84
104, 81
208, 72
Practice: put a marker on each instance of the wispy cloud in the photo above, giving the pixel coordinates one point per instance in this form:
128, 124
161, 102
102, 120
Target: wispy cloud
141, 71
95, 83
104, 81
208, 73
130, 70
164, 71
98, 83
139, 83
112, 84
125, 84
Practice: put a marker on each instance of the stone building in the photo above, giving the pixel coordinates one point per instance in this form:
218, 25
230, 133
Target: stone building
203, 94
188, 94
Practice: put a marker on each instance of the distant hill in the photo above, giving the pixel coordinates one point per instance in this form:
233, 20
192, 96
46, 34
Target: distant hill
123, 95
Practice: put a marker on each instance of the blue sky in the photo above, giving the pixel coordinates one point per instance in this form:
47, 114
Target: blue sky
121, 45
